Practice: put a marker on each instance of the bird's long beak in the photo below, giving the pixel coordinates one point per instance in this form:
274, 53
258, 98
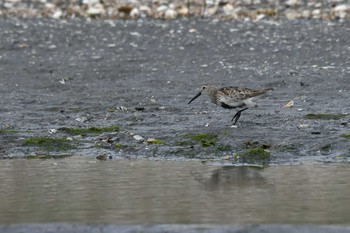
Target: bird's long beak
199, 93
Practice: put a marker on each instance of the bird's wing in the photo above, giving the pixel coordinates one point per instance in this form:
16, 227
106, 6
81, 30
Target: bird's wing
241, 93
233, 97
230, 97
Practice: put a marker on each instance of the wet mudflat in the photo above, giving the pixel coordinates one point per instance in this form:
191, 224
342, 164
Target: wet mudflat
83, 190
121, 88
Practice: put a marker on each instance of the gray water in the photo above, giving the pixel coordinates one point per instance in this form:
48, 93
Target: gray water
83, 190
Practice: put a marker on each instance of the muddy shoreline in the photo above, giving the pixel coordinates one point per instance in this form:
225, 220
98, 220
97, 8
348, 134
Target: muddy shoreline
136, 77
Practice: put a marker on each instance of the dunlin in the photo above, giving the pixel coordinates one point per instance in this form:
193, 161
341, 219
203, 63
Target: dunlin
232, 97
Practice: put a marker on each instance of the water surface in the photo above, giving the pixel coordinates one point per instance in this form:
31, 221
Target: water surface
83, 190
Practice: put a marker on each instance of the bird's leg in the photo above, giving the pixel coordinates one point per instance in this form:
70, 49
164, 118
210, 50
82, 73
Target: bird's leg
238, 115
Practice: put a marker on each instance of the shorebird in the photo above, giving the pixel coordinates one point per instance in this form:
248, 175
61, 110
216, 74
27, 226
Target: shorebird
232, 97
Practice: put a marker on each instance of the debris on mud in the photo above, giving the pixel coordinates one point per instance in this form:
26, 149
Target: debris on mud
323, 116
253, 156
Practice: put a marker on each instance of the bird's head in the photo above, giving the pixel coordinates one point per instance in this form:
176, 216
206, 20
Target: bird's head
205, 89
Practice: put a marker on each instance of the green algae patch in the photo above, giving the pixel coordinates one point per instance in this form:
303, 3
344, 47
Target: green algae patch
224, 147
347, 136
121, 146
322, 116
90, 131
3, 131
184, 143
206, 140
155, 141
50, 144
254, 156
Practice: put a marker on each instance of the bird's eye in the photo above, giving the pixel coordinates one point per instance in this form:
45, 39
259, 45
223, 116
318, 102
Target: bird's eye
203, 88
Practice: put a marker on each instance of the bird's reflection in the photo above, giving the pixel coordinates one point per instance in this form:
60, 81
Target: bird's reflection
228, 177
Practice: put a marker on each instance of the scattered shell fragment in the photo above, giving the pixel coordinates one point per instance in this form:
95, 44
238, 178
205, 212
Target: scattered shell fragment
81, 119
95, 10
57, 14
316, 14
138, 138
303, 126
52, 131
293, 3
135, 13
170, 14
22, 45
162, 8
289, 104
260, 17
183, 11
145, 10
341, 11
228, 9
210, 11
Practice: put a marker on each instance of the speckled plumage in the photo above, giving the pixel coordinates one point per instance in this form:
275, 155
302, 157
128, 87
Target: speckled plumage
232, 97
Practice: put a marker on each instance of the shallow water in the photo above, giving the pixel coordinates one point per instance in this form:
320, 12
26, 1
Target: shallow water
83, 190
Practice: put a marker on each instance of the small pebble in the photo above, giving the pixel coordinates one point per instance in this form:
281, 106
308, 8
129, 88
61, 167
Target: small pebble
102, 157
289, 104
315, 132
81, 119
138, 137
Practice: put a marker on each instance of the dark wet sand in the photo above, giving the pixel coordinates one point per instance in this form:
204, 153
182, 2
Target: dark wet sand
78, 74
